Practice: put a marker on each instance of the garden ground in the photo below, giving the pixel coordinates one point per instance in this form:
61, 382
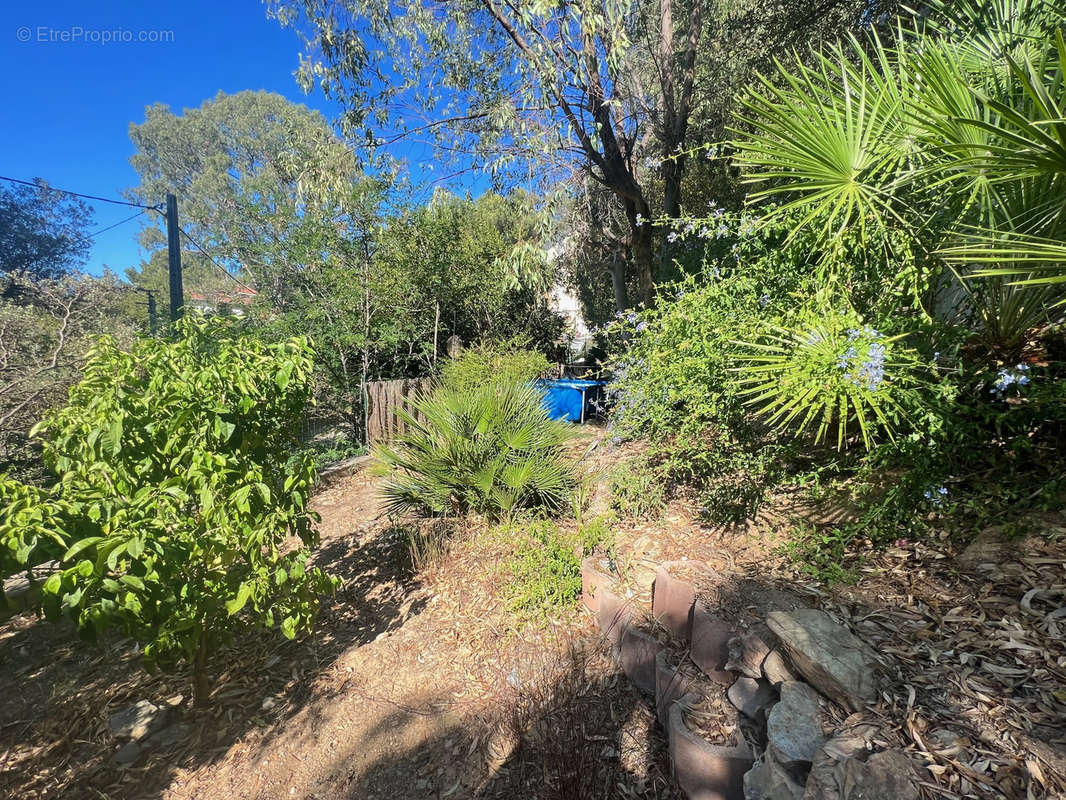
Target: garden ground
423, 684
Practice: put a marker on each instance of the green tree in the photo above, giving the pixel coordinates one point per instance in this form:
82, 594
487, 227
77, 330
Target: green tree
46, 327
552, 92
43, 232
527, 88
177, 493
243, 167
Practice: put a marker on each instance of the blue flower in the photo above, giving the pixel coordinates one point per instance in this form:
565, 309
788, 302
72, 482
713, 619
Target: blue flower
936, 495
764, 301
844, 362
872, 371
671, 236
1008, 377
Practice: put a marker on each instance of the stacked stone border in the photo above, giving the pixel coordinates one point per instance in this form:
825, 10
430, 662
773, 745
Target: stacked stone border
779, 686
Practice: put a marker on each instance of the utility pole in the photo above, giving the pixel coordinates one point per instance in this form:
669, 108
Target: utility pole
177, 294
151, 311
151, 308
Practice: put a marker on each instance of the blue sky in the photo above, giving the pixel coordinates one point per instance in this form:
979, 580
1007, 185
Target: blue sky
67, 105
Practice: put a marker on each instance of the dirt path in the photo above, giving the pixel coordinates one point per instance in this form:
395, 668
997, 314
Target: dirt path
416, 685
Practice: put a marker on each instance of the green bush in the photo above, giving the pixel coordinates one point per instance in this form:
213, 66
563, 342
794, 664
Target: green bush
176, 494
546, 568
504, 362
828, 373
489, 449
637, 490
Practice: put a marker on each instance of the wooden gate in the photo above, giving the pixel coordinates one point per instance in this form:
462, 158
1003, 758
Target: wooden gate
383, 398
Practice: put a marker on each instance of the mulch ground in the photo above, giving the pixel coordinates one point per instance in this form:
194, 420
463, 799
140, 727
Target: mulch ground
417, 684
421, 683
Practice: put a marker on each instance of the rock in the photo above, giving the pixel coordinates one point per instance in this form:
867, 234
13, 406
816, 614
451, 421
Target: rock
21, 593
887, 775
643, 578
137, 721
672, 602
705, 771
828, 655
794, 727
750, 696
746, 654
710, 645
768, 780
128, 753
169, 736
637, 653
991, 546
339, 469
776, 669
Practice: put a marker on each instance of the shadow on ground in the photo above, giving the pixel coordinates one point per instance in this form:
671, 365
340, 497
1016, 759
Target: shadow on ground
573, 728
57, 693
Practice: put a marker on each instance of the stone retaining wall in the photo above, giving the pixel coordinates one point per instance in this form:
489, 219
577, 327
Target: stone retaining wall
779, 688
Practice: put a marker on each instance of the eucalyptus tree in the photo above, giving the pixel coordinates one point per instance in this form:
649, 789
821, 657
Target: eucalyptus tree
610, 91
246, 169
274, 197
44, 233
529, 90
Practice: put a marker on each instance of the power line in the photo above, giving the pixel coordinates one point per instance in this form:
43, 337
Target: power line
211, 258
120, 222
79, 194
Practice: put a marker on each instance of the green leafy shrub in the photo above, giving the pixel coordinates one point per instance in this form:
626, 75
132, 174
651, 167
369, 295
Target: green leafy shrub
674, 382
31, 527
546, 567
176, 493
501, 362
637, 490
489, 449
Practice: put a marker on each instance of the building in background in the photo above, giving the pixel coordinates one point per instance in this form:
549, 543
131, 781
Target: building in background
230, 303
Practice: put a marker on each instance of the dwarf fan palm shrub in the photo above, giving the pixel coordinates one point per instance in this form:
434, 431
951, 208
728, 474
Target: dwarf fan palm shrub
830, 375
950, 132
490, 449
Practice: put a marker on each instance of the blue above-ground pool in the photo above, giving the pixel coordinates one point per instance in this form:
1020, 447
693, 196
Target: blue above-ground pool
570, 398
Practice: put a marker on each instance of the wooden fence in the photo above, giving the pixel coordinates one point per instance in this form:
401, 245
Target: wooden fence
383, 398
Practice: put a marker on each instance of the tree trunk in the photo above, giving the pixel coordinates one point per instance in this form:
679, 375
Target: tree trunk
641, 252
618, 283
201, 687
673, 170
